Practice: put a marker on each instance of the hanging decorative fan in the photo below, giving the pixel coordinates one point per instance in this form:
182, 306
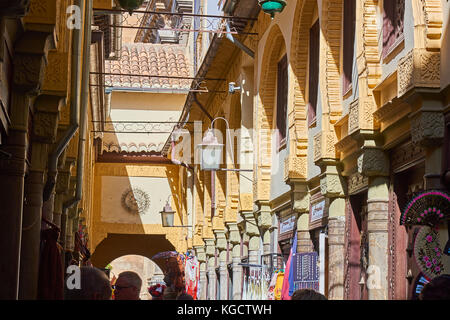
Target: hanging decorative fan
421, 281
428, 250
427, 208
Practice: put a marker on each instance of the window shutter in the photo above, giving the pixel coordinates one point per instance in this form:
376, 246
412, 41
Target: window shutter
349, 39
393, 17
313, 71
282, 94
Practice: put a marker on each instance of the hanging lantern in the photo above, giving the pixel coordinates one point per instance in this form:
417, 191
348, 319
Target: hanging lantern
211, 152
130, 5
272, 7
167, 215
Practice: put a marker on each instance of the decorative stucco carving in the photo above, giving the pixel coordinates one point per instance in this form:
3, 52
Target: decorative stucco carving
332, 185
28, 72
419, 68
14, 8
324, 145
55, 79
406, 154
353, 117
357, 182
45, 126
373, 162
428, 128
295, 167
318, 146
135, 200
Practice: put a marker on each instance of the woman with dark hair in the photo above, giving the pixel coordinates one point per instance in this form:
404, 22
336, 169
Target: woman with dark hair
307, 294
437, 289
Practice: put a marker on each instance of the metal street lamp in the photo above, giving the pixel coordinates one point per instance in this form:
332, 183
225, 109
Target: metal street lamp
167, 216
211, 152
272, 6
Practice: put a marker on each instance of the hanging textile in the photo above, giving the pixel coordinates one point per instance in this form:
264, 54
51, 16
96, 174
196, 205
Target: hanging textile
279, 285
192, 275
285, 287
292, 269
51, 271
271, 289
307, 275
244, 287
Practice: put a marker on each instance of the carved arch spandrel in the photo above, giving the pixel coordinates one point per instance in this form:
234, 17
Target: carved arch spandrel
266, 108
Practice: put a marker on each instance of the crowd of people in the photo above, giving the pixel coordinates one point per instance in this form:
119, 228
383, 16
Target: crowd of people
95, 285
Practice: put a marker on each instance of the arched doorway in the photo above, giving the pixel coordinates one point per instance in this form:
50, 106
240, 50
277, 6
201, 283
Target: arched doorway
148, 271
118, 245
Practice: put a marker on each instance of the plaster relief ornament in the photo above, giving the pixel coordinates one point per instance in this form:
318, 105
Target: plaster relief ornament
135, 201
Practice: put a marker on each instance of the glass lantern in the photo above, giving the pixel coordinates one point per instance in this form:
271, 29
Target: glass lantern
272, 7
130, 5
211, 152
167, 215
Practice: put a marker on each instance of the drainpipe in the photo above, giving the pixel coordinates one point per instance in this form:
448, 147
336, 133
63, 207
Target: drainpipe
84, 112
238, 44
74, 110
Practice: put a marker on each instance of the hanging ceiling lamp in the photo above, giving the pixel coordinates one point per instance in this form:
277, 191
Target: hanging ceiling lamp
272, 7
130, 5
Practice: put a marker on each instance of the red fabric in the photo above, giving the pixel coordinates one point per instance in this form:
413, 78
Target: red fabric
51, 271
285, 288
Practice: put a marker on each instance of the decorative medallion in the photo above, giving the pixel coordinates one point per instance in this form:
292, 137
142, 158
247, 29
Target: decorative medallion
135, 200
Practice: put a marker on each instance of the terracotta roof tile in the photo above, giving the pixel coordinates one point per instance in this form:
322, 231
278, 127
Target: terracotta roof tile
149, 59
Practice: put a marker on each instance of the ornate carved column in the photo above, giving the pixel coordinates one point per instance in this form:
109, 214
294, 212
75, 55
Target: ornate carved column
300, 205
43, 134
29, 62
332, 186
210, 256
221, 246
264, 221
61, 189
201, 256
252, 231
374, 163
234, 239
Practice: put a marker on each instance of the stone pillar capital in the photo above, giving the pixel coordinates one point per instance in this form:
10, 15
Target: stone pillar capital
221, 240
251, 227
200, 253
373, 161
263, 215
210, 247
428, 128
299, 196
234, 236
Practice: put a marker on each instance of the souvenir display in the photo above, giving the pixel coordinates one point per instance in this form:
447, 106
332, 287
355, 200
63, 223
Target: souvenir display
428, 250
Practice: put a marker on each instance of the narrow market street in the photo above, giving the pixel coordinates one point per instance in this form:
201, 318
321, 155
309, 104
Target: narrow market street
224, 150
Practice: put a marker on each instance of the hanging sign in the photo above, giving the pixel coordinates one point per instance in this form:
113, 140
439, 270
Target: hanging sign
317, 210
306, 271
287, 224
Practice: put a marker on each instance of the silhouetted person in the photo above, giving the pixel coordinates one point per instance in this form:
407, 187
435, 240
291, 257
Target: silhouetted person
437, 289
94, 285
307, 294
128, 286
